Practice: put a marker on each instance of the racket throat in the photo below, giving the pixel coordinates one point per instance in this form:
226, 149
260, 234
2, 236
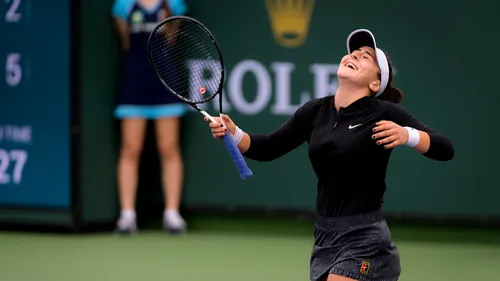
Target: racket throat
222, 120
208, 116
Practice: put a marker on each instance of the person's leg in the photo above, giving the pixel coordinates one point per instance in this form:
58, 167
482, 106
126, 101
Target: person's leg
167, 132
334, 277
132, 138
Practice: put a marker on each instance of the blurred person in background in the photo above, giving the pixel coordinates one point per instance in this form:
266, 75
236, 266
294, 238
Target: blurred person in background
142, 97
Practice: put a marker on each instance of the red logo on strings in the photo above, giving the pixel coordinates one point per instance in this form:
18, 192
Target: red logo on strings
202, 90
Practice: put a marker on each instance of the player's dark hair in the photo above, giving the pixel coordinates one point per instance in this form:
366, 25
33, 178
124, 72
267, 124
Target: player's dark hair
390, 93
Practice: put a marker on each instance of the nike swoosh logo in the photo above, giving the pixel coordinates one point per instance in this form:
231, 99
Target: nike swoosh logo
352, 127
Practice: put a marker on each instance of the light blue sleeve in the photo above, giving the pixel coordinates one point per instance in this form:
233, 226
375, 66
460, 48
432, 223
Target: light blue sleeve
178, 7
121, 8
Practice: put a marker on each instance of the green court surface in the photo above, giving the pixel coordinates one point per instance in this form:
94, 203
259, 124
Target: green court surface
229, 249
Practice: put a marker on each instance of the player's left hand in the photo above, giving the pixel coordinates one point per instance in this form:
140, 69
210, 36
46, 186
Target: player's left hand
389, 134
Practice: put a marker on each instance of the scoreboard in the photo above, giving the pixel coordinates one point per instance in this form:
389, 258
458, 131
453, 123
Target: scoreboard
35, 104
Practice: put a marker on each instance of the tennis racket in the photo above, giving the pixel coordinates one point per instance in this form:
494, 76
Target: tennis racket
187, 60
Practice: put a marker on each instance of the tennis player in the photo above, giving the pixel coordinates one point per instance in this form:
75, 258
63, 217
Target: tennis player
350, 135
143, 97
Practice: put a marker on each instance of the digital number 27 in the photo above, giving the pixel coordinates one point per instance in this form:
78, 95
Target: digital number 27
19, 158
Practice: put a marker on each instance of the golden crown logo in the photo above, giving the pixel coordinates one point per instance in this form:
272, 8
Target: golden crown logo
290, 20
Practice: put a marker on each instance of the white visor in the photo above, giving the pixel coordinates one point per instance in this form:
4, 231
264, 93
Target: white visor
363, 37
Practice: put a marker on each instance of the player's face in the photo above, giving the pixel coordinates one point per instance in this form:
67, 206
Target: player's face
360, 67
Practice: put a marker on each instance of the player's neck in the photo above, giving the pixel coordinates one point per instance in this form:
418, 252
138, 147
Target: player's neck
347, 94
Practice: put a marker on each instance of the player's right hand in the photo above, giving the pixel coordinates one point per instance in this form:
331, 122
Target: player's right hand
218, 129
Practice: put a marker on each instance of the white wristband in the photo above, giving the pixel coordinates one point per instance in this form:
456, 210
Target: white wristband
413, 137
238, 135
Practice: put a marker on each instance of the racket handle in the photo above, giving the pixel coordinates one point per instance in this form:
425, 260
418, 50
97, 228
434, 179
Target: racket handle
235, 153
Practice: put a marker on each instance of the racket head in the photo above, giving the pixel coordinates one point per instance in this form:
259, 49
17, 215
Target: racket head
177, 46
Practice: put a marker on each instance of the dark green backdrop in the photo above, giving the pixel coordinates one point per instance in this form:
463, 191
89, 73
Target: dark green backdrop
99, 62
446, 64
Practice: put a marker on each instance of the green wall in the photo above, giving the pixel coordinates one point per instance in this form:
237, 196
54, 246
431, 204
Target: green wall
445, 57
99, 140
446, 64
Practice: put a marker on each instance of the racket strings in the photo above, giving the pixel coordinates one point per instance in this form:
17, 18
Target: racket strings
183, 54
194, 93
165, 68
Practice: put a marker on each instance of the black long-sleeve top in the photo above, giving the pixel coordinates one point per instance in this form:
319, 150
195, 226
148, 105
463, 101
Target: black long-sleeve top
350, 166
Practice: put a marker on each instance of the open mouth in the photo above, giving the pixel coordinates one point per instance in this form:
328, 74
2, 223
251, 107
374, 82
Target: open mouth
351, 66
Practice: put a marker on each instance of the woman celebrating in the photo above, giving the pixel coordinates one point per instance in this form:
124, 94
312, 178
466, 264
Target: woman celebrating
350, 135
143, 97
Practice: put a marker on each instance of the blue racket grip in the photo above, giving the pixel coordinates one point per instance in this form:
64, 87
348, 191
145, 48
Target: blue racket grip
235, 153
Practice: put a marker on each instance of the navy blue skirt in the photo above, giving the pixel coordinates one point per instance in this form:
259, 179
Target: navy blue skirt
143, 95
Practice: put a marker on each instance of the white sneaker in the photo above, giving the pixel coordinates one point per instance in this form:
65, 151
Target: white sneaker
126, 226
173, 222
